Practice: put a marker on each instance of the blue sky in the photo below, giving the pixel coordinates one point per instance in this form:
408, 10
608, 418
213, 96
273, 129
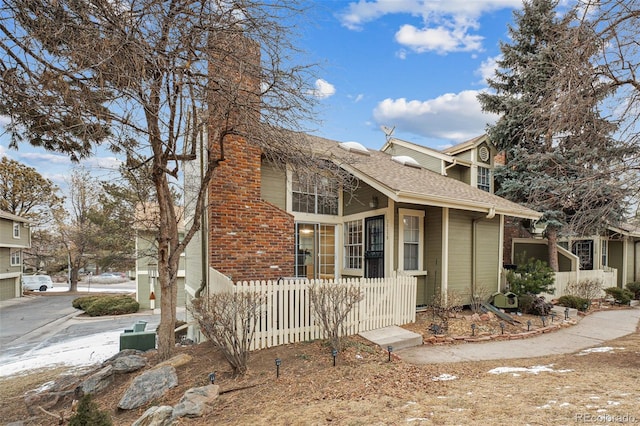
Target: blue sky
412, 65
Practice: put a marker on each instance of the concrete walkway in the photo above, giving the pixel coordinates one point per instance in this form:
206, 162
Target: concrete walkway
592, 330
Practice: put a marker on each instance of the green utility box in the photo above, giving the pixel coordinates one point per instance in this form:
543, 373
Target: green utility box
141, 340
137, 338
507, 300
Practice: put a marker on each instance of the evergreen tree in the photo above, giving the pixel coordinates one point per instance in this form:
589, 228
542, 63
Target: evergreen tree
558, 154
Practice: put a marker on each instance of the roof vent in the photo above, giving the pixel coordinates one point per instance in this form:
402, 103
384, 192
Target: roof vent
354, 147
406, 161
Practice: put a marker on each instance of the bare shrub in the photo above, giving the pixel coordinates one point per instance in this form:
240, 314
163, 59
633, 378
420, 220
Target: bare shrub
587, 289
479, 294
332, 304
445, 306
229, 320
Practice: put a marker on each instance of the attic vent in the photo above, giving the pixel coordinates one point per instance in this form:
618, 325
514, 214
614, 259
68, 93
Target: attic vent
406, 161
354, 147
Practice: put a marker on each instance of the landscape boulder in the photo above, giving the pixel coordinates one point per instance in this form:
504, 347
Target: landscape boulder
128, 364
194, 402
148, 386
156, 416
97, 381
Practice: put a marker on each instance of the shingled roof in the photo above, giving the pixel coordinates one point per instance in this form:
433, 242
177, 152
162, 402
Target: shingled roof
415, 185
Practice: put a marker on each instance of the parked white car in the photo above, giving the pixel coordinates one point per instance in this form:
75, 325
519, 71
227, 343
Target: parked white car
36, 282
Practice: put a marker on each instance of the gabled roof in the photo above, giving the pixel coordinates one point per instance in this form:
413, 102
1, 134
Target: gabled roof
465, 146
13, 217
626, 229
422, 149
405, 184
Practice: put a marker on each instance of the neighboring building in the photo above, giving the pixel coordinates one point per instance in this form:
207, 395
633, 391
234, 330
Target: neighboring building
471, 162
616, 249
146, 258
15, 236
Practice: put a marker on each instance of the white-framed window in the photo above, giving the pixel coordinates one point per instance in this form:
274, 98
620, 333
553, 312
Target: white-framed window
16, 229
15, 258
314, 194
604, 249
353, 244
411, 240
484, 179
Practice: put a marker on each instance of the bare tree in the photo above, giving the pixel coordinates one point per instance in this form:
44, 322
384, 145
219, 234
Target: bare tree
77, 232
138, 77
332, 303
229, 320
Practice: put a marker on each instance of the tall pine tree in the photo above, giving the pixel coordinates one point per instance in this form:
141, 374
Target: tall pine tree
558, 153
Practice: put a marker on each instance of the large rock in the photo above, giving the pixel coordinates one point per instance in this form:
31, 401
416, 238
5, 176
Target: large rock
148, 386
194, 401
97, 381
128, 363
176, 361
156, 416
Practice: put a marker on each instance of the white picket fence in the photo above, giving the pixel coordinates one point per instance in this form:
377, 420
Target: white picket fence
288, 314
608, 277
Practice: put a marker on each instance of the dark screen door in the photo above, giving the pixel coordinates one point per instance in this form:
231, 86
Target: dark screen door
374, 247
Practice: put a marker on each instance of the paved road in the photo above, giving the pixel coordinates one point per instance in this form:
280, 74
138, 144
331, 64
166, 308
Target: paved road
592, 330
32, 323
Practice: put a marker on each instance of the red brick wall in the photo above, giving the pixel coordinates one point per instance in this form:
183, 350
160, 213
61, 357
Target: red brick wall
249, 238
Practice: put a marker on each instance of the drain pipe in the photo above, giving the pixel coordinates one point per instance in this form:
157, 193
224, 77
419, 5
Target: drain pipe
444, 171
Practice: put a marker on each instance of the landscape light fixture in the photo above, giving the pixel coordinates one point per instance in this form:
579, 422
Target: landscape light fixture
566, 313
389, 350
544, 320
473, 329
278, 362
528, 325
553, 316
501, 327
334, 354
212, 378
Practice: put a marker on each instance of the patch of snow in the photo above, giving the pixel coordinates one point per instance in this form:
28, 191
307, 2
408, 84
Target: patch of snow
613, 403
417, 419
603, 349
601, 410
84, 351
533, 370
444, 377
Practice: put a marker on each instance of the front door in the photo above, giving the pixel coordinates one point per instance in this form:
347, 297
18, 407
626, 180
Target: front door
374, 247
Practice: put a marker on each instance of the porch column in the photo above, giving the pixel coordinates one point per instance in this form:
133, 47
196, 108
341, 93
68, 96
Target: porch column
445, 253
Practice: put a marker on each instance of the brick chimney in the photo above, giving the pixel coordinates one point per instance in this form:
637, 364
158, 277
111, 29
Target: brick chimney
250, 239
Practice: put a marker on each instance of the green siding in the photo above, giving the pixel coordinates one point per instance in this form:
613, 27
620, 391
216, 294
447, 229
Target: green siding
433, 254
427, 161
6, 234
358, 201
460, 252
630, 263
273, 185
616, 259
487, 247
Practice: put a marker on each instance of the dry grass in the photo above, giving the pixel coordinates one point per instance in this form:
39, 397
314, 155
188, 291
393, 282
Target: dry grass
364, 389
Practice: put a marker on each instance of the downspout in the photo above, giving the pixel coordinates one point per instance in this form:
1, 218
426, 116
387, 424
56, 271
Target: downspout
455, 162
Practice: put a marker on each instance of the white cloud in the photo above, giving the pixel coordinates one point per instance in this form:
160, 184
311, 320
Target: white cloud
487, 68
452, 116
440, 39
447, 25
323, 89
45, 158
4, 120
